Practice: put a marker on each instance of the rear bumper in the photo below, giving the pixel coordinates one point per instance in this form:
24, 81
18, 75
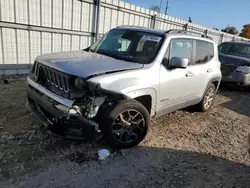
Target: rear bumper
59, 122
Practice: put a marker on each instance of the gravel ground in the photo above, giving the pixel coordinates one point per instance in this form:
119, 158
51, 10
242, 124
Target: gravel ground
183, 149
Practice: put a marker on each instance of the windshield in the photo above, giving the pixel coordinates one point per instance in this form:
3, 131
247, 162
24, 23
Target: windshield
237, 49
128, 45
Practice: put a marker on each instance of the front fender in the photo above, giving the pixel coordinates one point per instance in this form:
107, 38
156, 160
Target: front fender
143, 92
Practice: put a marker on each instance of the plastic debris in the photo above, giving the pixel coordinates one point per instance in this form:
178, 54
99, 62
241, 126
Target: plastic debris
103, 154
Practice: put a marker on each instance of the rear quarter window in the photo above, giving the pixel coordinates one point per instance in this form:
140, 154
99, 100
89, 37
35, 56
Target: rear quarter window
204, 51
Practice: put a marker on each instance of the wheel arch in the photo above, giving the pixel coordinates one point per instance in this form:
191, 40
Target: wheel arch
215, 81
147, 97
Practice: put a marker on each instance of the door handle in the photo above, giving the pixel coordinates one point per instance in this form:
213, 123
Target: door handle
209, 70
189, 74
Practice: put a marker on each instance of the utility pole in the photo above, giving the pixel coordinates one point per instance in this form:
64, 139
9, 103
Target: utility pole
167, 7
160, 6
158, 14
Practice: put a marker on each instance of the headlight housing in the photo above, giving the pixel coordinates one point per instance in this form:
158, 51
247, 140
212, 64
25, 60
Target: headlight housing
80, 83
243, 69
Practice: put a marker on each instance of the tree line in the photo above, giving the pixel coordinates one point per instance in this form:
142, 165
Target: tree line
245, 32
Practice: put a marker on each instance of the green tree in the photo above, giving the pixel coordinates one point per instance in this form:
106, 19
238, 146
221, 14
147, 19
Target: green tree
230, 29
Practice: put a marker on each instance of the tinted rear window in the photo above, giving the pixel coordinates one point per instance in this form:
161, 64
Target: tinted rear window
204, 51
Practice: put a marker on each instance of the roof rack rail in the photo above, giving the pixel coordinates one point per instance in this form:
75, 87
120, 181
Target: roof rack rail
185, 30
176, 31
121, 26
192, 32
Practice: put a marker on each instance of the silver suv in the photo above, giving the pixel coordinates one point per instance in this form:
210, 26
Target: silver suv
116, 85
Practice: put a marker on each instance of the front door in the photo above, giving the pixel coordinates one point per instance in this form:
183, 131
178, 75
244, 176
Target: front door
176, 84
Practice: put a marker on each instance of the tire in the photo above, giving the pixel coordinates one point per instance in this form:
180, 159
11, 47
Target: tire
125, 124
204, 105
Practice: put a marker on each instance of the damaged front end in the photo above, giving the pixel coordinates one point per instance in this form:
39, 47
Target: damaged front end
235, 71
77, 118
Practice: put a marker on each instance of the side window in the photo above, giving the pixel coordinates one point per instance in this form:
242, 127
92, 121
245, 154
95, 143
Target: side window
204, 51
182, 48
246, 49
211, 50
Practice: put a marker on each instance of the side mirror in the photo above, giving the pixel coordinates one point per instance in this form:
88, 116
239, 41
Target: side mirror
177, 62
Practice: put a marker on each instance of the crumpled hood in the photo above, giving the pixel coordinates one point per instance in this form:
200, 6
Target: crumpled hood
85, 64
234, 60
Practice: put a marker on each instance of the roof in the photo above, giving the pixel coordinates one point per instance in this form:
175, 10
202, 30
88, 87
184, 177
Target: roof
142, 29
239, 42
159, 32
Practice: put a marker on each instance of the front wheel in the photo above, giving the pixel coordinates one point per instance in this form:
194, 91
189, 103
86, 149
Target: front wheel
125, 124
207, 100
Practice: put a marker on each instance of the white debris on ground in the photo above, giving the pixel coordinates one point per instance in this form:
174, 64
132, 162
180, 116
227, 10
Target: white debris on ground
103, 154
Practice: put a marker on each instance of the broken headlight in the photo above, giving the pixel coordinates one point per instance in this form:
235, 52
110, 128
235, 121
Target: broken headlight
243, 69
80, 83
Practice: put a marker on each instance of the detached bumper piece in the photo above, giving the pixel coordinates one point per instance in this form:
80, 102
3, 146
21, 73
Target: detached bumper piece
62, 124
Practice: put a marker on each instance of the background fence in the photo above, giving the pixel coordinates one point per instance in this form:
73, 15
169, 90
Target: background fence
29, 28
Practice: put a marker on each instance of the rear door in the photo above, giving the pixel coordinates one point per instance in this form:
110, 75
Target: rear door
202, 67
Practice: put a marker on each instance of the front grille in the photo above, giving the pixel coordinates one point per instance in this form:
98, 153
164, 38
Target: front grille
227, 70
54, 80
57, 78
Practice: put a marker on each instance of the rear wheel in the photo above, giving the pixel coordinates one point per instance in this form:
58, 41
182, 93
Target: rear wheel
207, 100
125, 124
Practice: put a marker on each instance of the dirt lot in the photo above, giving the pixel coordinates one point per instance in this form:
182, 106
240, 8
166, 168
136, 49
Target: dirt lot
183, 149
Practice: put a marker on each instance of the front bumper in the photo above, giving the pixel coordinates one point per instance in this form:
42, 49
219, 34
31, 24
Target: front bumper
56, 118
237, 79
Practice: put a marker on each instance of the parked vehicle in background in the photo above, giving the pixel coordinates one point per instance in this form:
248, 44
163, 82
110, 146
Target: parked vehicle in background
127, 77
235, 63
